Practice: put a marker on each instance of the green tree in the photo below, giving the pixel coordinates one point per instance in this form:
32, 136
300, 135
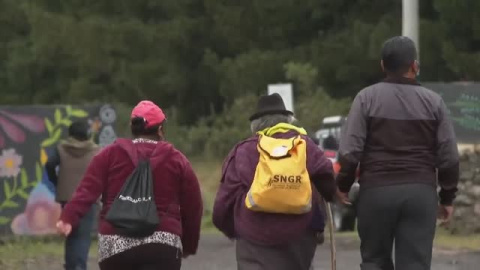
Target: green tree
200, 56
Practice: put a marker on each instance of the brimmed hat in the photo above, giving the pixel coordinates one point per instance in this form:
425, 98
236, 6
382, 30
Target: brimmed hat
271, 104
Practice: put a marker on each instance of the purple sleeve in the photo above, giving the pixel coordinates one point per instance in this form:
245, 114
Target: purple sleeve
225, 199
191, 206
320, 169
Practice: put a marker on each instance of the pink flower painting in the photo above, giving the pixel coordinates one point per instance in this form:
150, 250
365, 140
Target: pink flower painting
13, 126
10, 163
40, 215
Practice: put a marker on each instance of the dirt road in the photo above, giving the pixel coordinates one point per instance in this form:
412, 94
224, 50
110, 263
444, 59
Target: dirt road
218, 253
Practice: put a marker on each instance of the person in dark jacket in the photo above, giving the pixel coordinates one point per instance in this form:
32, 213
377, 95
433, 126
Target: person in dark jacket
264, 240
72, 157
176, 193
400, 134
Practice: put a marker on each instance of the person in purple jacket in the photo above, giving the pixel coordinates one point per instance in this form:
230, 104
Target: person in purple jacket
263, 240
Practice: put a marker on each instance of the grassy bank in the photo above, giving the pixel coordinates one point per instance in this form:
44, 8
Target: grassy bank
30, 252
446, 240
209, 174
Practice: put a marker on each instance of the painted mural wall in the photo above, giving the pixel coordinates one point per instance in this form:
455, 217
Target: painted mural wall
28, 135
463, 102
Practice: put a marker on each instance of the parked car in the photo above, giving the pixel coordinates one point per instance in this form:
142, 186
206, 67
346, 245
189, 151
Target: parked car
328, 138
331, 128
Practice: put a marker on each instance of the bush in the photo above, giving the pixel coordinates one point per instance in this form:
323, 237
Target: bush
214, 136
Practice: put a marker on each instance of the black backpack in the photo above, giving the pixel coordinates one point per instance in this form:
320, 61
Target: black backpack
133, 213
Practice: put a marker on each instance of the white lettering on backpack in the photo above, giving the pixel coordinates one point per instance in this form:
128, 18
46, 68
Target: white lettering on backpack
138, 200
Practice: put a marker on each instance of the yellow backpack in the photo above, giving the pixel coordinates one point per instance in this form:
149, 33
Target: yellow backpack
281, 183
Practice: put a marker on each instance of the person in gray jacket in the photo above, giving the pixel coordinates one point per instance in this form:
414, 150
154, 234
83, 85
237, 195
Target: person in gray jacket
400, 134
72, 157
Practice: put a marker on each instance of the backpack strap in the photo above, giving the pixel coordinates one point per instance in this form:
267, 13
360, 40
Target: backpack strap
155, 150
129, 147
154, 153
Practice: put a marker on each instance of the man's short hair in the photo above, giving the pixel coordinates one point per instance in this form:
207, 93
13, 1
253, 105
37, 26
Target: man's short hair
79, 130
398, 54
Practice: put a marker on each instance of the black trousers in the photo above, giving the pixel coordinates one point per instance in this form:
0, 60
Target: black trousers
145, 257
401, 214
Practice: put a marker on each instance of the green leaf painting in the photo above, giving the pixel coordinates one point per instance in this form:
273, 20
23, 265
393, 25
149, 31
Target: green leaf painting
7, 189
60, 122
38, 171
24, 178
58, 116
53, 139
19, 187
79, 113
10, 204
4, 220
23, 194
66, 122
49, 125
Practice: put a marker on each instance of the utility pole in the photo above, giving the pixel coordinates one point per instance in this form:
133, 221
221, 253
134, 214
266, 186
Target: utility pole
410, 18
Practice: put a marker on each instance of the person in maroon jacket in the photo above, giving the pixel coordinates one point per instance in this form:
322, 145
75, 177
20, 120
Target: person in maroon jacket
176, 190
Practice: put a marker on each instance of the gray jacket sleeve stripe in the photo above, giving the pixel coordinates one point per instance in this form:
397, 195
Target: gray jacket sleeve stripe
447, 157
352, 143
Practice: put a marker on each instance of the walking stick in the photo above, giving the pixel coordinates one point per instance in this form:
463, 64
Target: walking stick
331, 226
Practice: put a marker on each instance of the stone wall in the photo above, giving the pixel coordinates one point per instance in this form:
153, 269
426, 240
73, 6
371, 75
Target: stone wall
467, 205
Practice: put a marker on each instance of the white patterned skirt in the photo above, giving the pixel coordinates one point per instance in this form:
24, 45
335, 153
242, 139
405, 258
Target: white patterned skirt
109, 245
